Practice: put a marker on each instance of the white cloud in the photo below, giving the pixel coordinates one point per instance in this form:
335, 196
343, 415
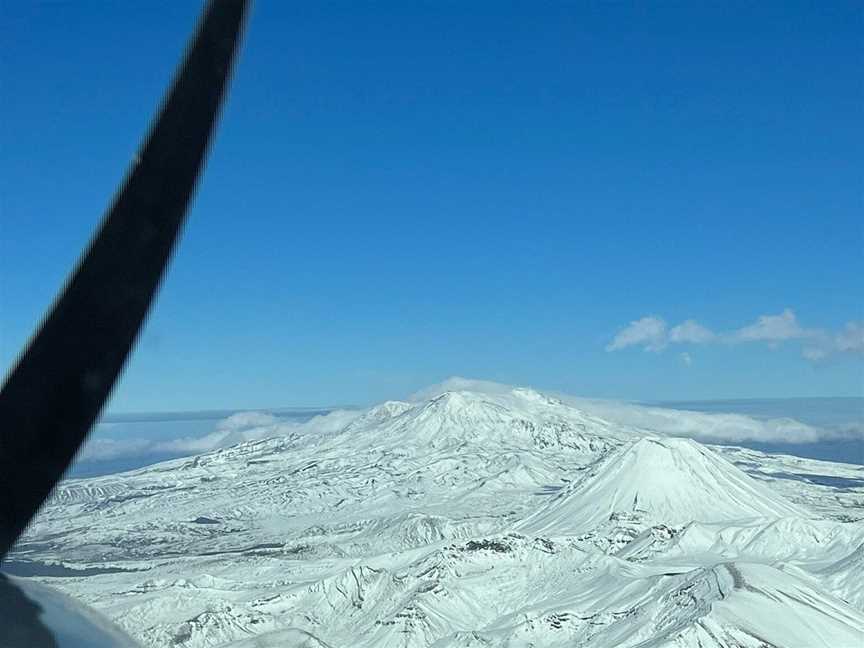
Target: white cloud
773, 328
329, 423
708, 427
814, 354
247, 420
691, 331
851, 338
848, 341
686, 358
457, 383
237, 428
651, 334
97, 449
648, 332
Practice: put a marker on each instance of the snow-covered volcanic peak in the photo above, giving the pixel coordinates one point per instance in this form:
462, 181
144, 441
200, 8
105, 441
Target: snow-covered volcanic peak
474, 515
673, 481
521, 418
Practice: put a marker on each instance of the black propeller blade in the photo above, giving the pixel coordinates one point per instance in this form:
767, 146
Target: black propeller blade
59, 385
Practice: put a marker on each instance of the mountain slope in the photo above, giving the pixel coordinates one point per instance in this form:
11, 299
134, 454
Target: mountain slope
666, 480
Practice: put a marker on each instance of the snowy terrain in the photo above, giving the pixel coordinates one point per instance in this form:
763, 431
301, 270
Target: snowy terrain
468, 519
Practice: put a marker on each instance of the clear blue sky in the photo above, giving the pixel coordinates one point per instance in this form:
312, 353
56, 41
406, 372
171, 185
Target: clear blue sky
402, 193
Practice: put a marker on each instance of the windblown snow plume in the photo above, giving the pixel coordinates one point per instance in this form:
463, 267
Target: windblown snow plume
702, 426
708, 427
472, 515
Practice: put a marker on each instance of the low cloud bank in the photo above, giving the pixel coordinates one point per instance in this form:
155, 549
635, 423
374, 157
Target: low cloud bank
710, 427
237, 428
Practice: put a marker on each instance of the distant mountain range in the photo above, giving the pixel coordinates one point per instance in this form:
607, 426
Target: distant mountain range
468, 519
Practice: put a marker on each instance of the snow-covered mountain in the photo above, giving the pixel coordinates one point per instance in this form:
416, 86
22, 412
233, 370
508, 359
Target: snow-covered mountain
469, 519
672, 481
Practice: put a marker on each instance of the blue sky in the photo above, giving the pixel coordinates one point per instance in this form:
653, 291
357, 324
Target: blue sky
399, 194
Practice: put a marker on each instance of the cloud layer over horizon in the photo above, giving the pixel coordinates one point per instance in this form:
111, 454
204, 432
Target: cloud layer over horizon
708, 427
236, 428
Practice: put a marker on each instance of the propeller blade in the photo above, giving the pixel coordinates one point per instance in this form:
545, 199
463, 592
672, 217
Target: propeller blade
62, 380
